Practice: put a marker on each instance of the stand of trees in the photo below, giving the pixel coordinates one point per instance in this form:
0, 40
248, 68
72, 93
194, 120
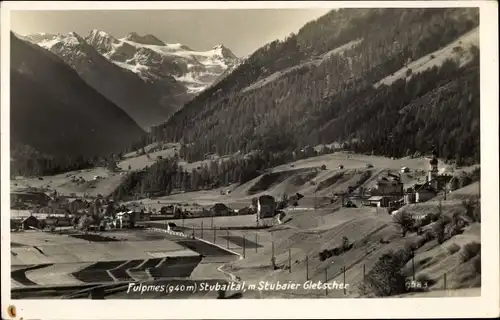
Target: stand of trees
166, 175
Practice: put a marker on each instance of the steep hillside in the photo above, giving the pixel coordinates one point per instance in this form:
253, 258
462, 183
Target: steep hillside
146, 77
54, 112
317, 87
147, 102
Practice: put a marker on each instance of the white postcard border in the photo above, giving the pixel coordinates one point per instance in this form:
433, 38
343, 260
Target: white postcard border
485, 306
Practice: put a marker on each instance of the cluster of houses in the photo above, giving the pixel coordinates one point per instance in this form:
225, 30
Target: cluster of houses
34, 209
390, 192
217, 210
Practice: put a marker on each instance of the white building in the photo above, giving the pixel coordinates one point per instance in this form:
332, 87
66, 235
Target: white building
127, 219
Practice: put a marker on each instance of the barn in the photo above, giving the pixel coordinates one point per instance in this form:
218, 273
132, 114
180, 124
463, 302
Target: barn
30, 223
378, 201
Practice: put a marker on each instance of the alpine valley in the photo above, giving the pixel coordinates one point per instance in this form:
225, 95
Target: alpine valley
146, 77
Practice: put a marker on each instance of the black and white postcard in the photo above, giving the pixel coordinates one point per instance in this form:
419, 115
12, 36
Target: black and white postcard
232, 160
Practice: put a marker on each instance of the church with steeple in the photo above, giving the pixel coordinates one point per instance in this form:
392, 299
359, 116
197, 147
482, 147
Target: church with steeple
434, 183
432, 177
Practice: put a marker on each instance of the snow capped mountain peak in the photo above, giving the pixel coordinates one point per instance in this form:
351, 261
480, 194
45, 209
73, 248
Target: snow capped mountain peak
101, 40
224, 52
146, 55
99, 34
73, 36
147, 39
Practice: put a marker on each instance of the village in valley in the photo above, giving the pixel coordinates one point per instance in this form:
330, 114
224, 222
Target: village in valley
214, 227
337, 161
45, 210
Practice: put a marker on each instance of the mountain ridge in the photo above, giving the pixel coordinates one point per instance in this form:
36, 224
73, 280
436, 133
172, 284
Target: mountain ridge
74, 118
309, 104
169, 74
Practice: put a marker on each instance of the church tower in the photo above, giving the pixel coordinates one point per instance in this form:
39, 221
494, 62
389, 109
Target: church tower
433, 166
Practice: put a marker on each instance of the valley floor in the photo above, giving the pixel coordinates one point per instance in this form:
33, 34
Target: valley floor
315, 225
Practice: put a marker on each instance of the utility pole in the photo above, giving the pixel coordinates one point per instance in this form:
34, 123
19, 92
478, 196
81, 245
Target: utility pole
344, 282
364, 282
256, 243
307, 267
227, 239
244, 246
202, 229
215, 230
326, 280
272, 248
413, 263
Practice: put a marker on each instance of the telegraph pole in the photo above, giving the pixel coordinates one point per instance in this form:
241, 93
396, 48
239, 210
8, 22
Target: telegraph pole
256, 243
344, 281
307, 267
273, 249
326, 280
413, 264
243, 246
364, 283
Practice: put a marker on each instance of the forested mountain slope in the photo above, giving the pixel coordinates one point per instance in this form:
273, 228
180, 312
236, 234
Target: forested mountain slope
56, 118
318, 86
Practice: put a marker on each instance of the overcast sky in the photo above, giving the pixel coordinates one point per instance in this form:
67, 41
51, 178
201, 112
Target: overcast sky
242, 31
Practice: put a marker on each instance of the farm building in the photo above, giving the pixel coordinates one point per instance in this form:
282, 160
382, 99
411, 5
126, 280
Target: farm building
220, 209
124, 220
135, 207
245, 211
388, 187
170, 209
78, 206
378, 201
29, 223
296, 197
58, 221
409, 197
405, 169
425, 194
349, 204
266, 207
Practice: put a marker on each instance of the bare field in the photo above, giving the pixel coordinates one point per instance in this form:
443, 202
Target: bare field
302, 239
43, 247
